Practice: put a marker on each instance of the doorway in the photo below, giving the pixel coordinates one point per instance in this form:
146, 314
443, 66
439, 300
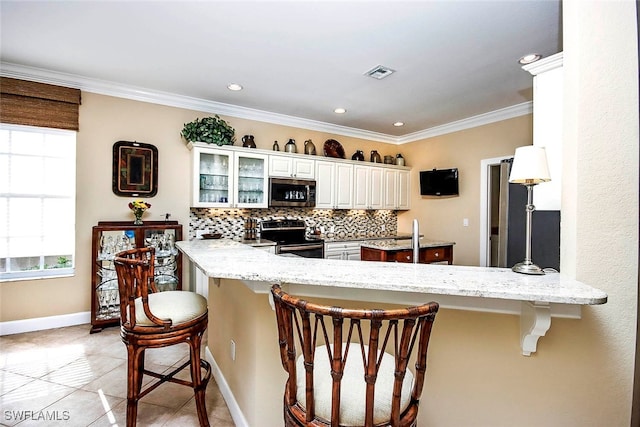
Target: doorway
490, 184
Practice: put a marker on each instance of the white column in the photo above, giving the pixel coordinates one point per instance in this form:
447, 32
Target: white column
547, 126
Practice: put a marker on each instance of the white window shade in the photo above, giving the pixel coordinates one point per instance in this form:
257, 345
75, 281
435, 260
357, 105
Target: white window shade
37, 202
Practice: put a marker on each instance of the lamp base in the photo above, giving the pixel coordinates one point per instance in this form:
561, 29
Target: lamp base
527, 267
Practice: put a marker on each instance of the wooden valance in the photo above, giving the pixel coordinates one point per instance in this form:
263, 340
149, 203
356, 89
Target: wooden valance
38, 104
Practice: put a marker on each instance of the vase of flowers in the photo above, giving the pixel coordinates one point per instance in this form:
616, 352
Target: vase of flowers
138, 207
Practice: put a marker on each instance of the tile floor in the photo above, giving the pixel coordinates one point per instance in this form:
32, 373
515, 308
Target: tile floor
68, 377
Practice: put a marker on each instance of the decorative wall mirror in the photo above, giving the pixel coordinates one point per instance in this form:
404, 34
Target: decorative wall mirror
135, 169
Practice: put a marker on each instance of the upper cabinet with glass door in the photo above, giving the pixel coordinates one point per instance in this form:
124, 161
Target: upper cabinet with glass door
212, 178
251, 183
224, 177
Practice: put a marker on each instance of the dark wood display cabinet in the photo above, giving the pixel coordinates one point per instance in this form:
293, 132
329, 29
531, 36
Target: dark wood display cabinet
111, 237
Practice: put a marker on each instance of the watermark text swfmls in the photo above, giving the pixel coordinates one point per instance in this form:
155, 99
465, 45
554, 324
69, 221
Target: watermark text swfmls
23, 415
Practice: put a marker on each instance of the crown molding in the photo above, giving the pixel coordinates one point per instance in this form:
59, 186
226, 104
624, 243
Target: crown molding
545, 64
135, 93
470, 122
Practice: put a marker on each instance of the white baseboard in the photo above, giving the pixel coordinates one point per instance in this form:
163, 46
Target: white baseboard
227, 394
41, 323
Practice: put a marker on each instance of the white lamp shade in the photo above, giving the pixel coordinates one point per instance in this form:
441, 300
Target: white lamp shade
529, 166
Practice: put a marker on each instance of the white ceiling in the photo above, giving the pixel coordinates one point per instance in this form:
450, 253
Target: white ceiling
453, 59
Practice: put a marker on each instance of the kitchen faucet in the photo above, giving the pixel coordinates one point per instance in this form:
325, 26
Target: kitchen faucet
415, 241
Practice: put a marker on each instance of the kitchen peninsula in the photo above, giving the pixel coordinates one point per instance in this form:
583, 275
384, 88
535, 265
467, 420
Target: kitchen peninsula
236, 279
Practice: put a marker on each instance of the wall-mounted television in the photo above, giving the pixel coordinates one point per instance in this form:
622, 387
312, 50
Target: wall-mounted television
439, 182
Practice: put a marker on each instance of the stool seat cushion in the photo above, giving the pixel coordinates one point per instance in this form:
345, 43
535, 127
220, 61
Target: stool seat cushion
353, 390
179, 306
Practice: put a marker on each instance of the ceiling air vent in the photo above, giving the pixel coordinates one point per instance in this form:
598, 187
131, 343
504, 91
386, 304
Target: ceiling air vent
379, 72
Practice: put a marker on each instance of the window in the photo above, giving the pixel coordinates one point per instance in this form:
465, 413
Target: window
37, 202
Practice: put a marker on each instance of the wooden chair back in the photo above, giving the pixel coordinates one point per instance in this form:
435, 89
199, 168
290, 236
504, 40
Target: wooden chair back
135, 270
304, 325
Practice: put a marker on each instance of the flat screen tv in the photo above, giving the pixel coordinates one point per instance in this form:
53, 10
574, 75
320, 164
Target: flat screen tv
439, 182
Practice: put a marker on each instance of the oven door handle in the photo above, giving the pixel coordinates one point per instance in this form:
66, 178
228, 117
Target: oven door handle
289, 248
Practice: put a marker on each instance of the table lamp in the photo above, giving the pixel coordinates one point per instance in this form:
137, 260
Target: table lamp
529, 168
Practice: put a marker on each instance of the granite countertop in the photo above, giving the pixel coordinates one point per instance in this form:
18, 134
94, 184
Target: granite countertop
257, 242
232, 260
401, 245
338, 237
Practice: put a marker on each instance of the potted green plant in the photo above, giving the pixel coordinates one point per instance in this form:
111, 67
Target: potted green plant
212, 130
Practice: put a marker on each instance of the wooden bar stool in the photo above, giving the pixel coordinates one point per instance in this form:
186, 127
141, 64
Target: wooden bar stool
355, 382
152, 319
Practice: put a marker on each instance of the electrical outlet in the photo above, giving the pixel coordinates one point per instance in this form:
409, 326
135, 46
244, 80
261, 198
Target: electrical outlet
233, 350
384, 227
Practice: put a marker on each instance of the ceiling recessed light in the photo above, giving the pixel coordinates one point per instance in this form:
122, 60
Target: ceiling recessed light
234, 86
398, 124
528, 59
339, 111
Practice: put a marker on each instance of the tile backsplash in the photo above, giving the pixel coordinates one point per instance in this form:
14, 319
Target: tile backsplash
336, 223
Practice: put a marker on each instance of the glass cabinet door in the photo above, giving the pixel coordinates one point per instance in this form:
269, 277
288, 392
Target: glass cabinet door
213, 178
163, 241
251, 181
106, 289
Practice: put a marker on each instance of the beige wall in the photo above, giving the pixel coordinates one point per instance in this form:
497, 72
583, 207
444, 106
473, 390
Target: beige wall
105, 120
600, 192
441, 217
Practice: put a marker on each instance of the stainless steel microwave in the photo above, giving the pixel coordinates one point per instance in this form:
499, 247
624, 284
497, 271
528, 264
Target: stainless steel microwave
290, 192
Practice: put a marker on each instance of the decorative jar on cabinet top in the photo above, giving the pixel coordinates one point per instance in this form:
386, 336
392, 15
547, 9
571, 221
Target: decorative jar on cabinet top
290, 147
375, 157
358, 155
248, 141
309, 147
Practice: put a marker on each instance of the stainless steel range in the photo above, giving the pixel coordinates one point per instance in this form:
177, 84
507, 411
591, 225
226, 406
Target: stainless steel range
290, 238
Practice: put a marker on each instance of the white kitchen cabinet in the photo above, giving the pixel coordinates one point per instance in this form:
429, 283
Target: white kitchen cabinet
334, 185
251, 183
344, 186
403, 198
325, 185
237, 177
228, 178
368, 187
333, 254
396, 189
212, 178
343, 250
291, 167
390, 189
